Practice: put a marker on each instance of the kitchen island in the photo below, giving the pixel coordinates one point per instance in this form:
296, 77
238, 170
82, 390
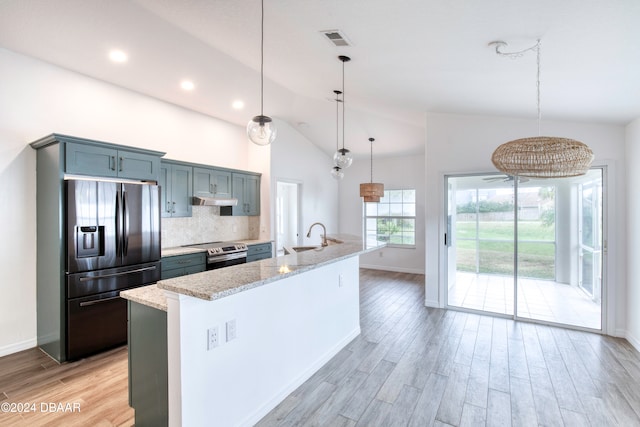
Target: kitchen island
240, 339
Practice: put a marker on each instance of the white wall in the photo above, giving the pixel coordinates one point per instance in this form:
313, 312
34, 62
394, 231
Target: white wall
296, 159
464, 144
37, 99
395, 173
633, 232
286, 330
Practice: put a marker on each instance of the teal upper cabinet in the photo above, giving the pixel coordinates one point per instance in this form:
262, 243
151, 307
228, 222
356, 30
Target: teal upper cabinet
211, 182
106, 160
245, 188
252, 194
91, 160
176, 189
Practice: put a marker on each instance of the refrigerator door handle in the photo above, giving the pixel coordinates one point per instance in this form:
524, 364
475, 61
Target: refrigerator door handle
125, 224
123, 273
118, 224
98, 301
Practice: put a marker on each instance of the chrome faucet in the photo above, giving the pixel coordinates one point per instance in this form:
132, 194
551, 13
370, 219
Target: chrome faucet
324, 233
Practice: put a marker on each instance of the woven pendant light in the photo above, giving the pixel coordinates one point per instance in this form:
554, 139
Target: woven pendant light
540, 156
371, 191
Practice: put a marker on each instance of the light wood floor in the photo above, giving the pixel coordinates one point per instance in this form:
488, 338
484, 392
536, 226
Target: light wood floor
411, 366
98, 385
417, 366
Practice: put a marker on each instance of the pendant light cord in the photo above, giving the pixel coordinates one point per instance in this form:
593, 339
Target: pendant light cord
371, 168
262, 60
343, 104
371, 162
500, 45
337, 120
538, 84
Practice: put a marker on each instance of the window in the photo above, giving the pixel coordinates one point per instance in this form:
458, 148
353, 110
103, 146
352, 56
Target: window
393, 220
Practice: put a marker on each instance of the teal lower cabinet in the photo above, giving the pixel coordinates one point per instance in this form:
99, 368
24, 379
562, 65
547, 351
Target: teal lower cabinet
148, 374
181, 265
258, 252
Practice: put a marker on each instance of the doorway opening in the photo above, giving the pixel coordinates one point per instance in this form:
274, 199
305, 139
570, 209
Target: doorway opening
527, 248
287, 215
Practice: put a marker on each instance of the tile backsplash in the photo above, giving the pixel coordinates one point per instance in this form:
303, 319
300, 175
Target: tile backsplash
206, 225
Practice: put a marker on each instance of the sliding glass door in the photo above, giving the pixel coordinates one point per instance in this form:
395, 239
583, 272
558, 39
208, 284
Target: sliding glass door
481, 243
529, 249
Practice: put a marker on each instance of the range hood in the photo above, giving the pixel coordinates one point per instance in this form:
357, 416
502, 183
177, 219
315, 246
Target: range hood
213, 201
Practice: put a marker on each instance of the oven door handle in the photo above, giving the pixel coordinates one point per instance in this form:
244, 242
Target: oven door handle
122, 273
97, 301
226, 257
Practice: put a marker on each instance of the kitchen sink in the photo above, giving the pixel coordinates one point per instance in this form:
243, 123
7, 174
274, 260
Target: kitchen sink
296, 249
305, 248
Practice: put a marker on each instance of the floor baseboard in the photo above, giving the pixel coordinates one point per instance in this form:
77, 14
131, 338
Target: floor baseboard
19, 346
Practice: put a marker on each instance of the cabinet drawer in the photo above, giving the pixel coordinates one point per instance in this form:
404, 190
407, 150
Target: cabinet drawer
183, 261
259, 249
258, 252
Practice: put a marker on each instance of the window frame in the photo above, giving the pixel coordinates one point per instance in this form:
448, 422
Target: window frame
386, 199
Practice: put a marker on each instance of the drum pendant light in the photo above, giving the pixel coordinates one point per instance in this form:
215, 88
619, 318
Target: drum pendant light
261, 130
540, 156
371, 191
336, 171
342, 157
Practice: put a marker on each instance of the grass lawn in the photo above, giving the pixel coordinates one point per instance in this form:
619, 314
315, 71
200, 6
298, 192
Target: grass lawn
536, 259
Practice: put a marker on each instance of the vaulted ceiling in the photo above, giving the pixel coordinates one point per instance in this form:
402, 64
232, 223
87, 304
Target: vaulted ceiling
408, 58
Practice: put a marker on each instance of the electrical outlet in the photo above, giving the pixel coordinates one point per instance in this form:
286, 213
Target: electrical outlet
213, 338
232, 330
340, 280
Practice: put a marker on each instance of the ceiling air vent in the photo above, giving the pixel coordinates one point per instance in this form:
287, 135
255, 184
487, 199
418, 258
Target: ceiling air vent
336, 37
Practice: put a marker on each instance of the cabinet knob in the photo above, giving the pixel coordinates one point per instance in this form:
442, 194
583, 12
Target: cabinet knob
121, 161
112, 166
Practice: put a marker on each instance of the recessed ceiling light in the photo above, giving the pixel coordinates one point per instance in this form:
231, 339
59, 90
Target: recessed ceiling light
117, 55
238, 105
187, 85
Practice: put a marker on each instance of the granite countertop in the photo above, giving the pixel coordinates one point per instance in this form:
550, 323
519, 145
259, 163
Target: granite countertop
182, 250
147, 295
179, 250
220, 283
250, 242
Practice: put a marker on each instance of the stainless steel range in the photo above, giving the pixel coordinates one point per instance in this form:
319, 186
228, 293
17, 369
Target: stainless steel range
223, 254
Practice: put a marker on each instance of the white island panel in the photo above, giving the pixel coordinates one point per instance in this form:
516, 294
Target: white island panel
286, 330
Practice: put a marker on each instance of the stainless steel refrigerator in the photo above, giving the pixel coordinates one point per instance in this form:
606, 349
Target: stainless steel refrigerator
113, 243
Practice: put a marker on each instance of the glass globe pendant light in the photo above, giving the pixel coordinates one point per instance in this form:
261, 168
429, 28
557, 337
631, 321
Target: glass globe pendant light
336, 171
342, 157
261, 130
